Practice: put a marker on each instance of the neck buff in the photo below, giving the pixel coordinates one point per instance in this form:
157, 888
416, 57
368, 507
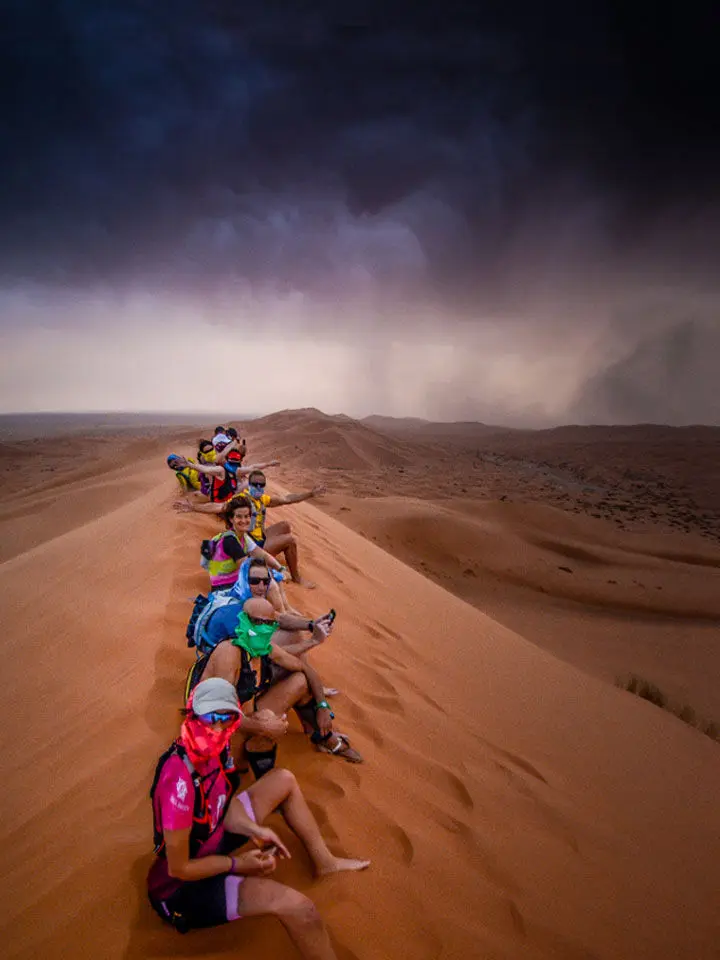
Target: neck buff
254, 638
204, 743
256, 492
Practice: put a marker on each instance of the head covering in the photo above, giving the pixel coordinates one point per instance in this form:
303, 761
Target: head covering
172, 457
234, 455
215, 696
220, 440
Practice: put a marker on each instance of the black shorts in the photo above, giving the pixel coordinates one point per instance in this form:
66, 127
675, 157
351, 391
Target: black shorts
197, 904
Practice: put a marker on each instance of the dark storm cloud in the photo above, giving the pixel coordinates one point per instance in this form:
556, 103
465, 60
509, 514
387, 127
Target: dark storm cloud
545, 170
195, 144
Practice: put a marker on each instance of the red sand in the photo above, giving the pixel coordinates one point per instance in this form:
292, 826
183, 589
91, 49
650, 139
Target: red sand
513, 805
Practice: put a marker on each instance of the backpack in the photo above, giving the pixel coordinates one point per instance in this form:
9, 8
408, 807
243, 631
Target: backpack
203, 608
200, 830
208, 548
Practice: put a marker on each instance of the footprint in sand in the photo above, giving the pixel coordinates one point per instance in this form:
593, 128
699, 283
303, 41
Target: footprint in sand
407, 848
389, 663
389, 703
522, 765
472, 846
361, 720
329, 787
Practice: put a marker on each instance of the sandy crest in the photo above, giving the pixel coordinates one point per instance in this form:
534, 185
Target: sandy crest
513, 806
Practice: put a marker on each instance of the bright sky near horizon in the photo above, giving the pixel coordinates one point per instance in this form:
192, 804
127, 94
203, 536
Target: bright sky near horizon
429, 210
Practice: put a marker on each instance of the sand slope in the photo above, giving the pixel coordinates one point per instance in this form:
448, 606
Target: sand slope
513, 806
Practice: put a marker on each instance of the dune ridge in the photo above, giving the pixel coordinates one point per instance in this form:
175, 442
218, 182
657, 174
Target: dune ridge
512, 805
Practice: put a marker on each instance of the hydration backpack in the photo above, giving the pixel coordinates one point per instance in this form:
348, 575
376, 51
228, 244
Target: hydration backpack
200, 831
203, 608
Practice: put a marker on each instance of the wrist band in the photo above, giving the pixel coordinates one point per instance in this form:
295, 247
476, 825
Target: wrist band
323, 705
232, 864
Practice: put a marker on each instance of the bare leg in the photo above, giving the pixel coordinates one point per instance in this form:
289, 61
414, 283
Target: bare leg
279, 698
224, 662
295, 912
287, 544
279, 788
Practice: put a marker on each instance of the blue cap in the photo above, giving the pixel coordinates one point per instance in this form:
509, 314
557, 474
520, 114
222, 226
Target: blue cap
173, 456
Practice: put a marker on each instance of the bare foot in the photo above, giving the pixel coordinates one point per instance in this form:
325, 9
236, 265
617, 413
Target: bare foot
302, 582
341, 865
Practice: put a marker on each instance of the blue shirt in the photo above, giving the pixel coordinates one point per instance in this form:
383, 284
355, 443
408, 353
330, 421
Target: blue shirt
222, 624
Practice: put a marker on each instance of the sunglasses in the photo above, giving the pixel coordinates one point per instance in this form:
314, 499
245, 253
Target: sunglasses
259, 484
254, 581
216, 717
261, 620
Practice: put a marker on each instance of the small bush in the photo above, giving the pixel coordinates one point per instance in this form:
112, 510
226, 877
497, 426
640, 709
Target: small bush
648, 691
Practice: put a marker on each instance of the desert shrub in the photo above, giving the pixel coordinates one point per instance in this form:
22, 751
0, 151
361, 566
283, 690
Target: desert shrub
648, 691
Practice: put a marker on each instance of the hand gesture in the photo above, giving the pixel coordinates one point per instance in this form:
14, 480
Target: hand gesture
254, 863
275, 727
324, 720
322, 629
182, 506
265, 837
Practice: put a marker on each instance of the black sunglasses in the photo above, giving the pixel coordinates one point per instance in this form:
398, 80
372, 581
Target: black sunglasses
254, 581
261, 620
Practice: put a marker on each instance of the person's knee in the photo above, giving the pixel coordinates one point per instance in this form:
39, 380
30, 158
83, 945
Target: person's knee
299, 910
264, 715
282, 780
297, 686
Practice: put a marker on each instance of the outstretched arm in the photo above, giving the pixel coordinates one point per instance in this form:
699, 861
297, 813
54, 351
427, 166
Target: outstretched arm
297, 497
252, 467
259, 554
185, 506
209, 468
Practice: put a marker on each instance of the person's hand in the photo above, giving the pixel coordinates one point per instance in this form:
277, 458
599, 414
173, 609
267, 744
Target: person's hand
274, 463
265, 837
322, 629
275, 727
324, 720
254, 863
319, 490
181, 460
182, 506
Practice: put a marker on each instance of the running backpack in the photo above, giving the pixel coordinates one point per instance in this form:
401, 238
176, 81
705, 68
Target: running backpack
200, 831
208, 548
203, 608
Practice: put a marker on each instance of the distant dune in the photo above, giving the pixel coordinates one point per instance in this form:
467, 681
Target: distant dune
516, 804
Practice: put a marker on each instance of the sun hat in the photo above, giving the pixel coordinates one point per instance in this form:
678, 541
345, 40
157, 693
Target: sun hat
215, 696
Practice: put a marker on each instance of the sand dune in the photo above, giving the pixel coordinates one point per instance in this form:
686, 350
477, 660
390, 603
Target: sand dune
513, 805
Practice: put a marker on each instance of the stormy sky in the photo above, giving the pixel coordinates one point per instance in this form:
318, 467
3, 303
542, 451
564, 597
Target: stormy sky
498, 211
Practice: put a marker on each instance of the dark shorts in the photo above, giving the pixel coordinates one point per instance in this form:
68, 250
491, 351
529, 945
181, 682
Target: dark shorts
211, 902
202, 903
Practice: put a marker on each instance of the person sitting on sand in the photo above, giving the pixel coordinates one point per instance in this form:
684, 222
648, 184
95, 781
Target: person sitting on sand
224, 553
245, 642
255, 579
186, 473
224, 474
220, 437
214, 857
277, 538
